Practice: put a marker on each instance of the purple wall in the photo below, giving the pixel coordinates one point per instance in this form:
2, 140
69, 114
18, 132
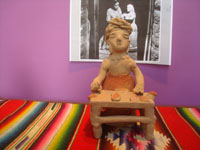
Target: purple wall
34, 55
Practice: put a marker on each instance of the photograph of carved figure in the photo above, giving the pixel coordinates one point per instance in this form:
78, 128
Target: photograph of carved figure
146, 40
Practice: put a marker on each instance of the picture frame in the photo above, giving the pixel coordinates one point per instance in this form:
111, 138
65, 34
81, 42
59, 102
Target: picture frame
150, 40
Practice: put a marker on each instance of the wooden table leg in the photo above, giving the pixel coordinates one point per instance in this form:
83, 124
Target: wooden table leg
94, 114
97, 131
149, 127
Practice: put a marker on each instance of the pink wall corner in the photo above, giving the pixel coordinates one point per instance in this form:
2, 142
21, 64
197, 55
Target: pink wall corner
34, 55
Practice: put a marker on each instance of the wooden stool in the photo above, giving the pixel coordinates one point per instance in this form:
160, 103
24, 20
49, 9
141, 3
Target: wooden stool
125, 99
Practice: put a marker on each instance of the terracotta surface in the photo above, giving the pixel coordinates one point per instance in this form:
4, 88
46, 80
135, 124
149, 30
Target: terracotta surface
116, 70
117, 96
117, 82
122, 112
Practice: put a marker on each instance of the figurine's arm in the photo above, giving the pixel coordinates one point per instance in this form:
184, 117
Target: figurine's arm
97, 82
139, 88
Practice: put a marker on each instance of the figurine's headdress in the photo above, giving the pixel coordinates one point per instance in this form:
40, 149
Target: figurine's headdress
117, 23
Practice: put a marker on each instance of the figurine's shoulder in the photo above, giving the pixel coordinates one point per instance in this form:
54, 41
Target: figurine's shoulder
129, 59
131, 62
106, 63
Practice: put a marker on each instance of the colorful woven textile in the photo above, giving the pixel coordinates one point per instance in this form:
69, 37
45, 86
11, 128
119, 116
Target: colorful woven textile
58, 126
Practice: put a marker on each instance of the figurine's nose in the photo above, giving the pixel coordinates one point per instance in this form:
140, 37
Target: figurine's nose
119, 38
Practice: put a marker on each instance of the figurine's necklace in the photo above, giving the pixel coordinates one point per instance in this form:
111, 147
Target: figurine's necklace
118, 57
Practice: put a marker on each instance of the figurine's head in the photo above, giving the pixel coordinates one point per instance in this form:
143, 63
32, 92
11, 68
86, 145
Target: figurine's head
117, 35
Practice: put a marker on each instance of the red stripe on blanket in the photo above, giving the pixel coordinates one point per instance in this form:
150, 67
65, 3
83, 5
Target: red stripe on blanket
180, 129
84, 138
17, 112
8, 108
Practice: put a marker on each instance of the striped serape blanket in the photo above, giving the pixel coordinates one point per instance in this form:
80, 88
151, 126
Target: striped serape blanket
40, 125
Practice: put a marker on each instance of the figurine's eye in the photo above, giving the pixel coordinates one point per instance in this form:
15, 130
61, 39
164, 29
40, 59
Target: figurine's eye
126, 36
112, 35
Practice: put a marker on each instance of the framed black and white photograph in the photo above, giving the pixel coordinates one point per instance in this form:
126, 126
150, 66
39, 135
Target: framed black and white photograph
151, 22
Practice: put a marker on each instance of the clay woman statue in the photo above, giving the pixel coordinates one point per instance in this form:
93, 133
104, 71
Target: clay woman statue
116, 93
115, 71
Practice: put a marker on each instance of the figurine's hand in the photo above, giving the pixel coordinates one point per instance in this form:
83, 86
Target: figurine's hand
139, 89
96, 85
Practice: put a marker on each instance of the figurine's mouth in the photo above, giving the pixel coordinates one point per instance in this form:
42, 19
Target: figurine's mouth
119, 43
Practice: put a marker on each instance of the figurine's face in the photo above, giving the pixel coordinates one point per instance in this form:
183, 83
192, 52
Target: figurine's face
118, 40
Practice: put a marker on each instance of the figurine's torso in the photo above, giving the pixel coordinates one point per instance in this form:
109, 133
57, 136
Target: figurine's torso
119, 73
120, 66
